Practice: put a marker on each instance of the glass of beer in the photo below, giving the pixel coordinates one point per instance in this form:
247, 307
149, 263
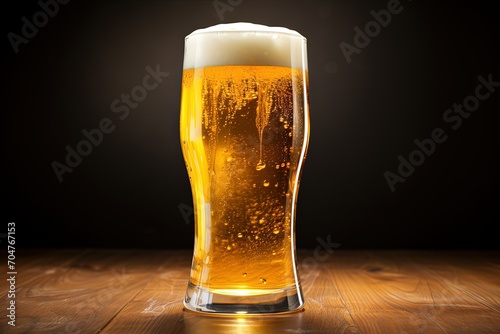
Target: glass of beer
244, 132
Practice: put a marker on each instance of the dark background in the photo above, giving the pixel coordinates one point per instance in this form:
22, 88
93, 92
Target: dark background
365, 114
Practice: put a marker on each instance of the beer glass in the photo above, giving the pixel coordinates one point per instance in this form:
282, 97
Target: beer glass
244, 131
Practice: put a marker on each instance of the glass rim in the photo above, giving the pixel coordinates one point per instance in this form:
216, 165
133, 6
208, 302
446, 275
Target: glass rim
246, 27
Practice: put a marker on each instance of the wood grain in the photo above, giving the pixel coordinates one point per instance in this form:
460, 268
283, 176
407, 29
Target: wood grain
141, 291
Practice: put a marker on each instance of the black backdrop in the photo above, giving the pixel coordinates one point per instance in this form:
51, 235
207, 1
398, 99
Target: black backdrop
367, 110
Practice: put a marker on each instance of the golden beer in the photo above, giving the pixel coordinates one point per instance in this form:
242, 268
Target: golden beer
244, 129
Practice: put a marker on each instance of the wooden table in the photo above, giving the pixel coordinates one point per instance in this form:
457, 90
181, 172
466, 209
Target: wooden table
141, 291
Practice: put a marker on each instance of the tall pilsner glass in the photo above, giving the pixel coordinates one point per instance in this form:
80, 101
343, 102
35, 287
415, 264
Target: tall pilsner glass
244, 129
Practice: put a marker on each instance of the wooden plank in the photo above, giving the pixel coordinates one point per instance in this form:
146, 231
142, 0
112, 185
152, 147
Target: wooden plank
141, 291
477, 278
464, 289
81, 296
35, 264
158, 307
324, 311
367, 282
34, 267
405, 282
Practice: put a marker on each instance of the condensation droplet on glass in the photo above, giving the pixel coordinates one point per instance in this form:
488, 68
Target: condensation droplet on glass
260, 165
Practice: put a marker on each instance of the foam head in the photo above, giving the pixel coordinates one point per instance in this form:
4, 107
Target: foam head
245, 43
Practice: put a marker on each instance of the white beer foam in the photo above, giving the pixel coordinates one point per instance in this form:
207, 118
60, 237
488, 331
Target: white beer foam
244, 43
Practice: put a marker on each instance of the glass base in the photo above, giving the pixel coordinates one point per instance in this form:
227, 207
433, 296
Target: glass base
264, 301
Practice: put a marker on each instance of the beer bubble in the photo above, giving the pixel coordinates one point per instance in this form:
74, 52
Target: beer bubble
283, 164
244, 274
260, 165
229, 159
266, 183
276, 185
240, 235
256, 237
262, 221
277, 166
276, 231
228, 248
281, 119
